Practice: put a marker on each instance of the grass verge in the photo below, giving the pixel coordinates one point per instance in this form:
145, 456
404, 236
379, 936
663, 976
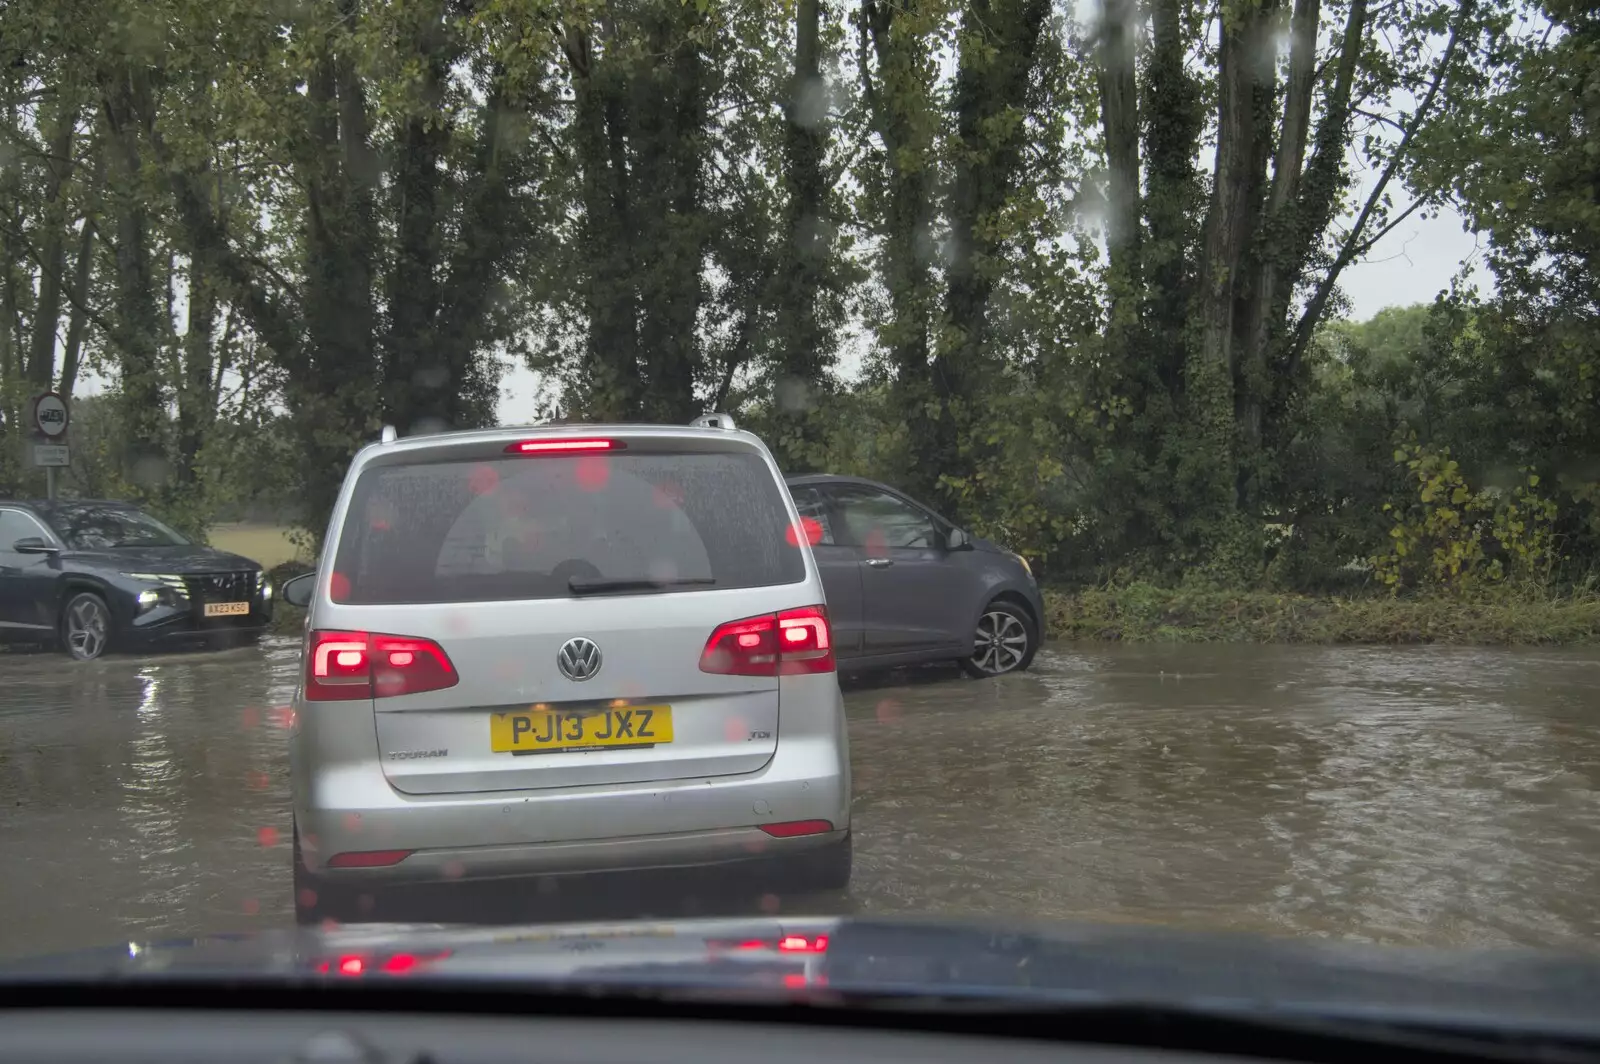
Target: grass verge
1144, 613
267, 544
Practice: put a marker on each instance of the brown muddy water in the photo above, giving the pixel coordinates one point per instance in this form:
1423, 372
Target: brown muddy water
1422, 796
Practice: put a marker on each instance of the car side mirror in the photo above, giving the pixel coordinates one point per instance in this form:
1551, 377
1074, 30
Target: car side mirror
297, 591
34, 545
957, 539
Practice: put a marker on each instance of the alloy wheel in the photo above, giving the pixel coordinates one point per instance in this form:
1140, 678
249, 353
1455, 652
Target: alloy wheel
87, 628
1000, 644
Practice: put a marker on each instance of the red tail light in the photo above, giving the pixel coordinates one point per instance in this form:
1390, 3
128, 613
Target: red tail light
563, 446
344, 666
777, 644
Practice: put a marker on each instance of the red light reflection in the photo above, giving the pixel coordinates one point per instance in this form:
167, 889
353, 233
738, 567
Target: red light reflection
809, 527
593, 473
483, 480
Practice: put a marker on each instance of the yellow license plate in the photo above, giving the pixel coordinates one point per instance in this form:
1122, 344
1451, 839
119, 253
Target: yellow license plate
571, 729
226, 609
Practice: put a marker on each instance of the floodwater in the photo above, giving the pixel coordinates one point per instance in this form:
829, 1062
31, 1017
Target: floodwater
1420, 796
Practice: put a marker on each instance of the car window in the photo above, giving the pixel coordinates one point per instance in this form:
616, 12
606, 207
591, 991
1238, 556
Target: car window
874, 519
520, 528
95, 527
811, 503
15, 525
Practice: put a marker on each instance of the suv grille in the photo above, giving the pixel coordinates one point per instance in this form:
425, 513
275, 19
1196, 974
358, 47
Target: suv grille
221, 587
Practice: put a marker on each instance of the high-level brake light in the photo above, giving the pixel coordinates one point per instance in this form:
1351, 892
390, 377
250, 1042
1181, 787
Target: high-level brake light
779, 644
563, 446
345, 666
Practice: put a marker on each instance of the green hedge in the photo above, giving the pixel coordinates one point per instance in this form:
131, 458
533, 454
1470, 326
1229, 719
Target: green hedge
1146, 613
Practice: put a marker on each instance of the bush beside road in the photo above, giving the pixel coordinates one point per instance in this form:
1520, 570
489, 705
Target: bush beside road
1142, 612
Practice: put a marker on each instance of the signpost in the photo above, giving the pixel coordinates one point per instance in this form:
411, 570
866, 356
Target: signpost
50, 450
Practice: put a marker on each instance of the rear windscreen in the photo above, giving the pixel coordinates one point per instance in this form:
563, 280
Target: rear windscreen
523, 527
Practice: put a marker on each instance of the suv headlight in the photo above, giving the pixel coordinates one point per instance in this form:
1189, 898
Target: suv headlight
1025, 566
164, 579
169, 590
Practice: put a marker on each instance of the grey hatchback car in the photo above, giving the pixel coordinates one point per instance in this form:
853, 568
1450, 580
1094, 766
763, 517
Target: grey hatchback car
905, 586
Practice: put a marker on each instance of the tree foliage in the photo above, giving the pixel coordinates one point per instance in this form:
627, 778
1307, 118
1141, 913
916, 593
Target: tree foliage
1075, 282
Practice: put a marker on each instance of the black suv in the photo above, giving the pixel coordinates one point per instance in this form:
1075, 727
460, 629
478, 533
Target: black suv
94, 575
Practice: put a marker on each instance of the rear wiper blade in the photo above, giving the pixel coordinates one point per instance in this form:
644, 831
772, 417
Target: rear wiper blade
600, 585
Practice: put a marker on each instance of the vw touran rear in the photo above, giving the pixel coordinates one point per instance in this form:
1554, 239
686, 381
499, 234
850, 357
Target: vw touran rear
565, 650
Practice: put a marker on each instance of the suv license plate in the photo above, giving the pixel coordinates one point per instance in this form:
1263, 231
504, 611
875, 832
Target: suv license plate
227, 609
570, 729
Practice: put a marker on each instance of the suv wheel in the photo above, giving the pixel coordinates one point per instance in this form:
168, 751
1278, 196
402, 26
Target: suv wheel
85, 626
1004, 641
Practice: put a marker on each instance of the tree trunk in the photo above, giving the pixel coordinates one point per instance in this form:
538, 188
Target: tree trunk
804, 354
669, 100
1119, 117
195, 410
1173, 122
1281, 240
142, 397
417, 380
477, 272
1250, 385
335, 397
41, 357
613, 389
1000, 44
1210, 366
77, 321
905, 226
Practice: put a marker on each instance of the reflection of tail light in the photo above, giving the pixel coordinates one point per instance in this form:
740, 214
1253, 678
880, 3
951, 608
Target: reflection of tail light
353, 964
790, 944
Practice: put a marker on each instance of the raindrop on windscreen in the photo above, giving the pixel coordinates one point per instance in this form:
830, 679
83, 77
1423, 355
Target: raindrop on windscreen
483, 480
592, 473
428, 426
431, 376
151, 471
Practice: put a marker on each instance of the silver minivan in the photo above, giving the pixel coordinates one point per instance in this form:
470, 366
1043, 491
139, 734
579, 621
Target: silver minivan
563, 650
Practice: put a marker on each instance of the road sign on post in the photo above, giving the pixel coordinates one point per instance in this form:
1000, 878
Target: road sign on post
51, 455
50, 417
50, 452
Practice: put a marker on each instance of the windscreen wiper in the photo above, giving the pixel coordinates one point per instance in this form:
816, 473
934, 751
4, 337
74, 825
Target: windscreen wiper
603, 585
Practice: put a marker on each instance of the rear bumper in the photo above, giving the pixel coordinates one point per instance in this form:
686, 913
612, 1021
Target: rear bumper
351, 807
642, 853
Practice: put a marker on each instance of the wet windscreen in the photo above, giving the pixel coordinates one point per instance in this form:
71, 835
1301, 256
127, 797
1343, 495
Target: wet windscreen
525, 528
95, 527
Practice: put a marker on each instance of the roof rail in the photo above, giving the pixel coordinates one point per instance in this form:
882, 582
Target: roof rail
389, 435
714, 421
